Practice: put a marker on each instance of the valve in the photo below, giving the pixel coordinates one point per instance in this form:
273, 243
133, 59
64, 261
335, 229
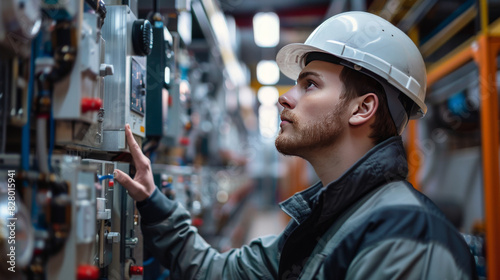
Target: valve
87, 272
136, 270
91, 104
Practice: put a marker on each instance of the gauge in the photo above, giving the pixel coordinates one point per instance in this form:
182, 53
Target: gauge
16, 231
20, 21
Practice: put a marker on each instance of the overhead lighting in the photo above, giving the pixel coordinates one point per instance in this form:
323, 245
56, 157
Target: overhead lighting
268, 95
268, 72
268, 121
266, 29
246, 97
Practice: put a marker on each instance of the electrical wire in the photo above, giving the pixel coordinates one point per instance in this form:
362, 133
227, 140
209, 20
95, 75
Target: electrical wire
148, 261
104, 177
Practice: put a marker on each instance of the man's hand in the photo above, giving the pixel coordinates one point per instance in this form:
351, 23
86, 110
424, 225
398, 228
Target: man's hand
143, 185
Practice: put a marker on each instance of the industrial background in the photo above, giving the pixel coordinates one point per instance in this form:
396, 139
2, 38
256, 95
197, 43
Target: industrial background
197, 82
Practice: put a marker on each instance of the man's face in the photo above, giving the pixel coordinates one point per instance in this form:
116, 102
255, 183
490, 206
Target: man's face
313, 116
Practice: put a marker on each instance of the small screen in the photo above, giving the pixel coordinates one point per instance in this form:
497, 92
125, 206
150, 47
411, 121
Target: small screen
138, 88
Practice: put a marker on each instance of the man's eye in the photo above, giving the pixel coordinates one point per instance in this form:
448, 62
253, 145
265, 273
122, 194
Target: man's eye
310, 85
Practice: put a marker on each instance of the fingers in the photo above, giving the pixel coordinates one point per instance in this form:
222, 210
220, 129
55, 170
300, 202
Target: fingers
123, 178
135, 190
135, 149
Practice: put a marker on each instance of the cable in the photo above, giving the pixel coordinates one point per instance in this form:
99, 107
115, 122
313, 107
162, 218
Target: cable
148, 261
104, 177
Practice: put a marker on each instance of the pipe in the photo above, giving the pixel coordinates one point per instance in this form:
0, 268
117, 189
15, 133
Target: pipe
41, 145
483, 11
415, 14
25, 138
448, 65
448, 32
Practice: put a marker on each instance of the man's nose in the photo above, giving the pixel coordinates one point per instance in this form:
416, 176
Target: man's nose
289, 99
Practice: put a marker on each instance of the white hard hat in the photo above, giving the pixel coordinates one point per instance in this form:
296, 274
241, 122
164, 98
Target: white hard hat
368, 43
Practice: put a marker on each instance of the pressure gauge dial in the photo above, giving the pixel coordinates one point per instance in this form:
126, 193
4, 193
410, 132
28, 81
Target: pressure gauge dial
16, 231
20, 21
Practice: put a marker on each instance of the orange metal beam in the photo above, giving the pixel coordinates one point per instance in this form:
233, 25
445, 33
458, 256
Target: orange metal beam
412, 151
486, 54
484, 51
449, 65
413, 154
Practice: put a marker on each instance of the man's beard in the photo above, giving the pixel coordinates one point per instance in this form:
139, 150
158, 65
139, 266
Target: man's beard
315, 134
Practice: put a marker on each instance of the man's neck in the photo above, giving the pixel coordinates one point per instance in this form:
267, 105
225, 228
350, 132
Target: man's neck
331, 162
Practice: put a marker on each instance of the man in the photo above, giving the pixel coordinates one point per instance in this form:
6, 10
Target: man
359, 80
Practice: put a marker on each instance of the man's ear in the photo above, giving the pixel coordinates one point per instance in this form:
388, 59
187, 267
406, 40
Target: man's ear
364, 109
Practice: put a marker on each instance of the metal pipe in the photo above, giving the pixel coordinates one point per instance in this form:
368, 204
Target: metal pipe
415, 14
448, 32
483, 9
448, 65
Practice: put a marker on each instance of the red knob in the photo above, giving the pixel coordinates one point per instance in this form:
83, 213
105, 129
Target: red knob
91, 104
111, 183
184, 141
197, 222
136, 270
87, 272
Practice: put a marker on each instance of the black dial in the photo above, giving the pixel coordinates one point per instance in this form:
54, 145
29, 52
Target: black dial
142, 37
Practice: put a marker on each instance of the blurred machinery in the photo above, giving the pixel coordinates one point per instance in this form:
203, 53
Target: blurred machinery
72, 74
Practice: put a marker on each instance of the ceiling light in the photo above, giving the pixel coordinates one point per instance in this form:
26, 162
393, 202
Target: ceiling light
268, 72
266, 29
268, 95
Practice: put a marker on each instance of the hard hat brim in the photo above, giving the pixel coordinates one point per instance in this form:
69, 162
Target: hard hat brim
290, 58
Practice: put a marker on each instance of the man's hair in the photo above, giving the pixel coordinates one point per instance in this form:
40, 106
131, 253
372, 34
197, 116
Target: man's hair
358, 84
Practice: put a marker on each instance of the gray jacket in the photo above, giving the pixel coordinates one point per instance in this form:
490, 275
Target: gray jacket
368, 224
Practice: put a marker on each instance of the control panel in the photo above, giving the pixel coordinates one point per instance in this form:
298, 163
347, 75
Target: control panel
128, 40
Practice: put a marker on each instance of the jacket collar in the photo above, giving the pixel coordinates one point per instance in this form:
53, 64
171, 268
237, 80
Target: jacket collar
384, 163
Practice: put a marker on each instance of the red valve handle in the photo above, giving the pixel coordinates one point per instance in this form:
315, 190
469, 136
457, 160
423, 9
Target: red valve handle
87, 272
136, 270
91, 104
